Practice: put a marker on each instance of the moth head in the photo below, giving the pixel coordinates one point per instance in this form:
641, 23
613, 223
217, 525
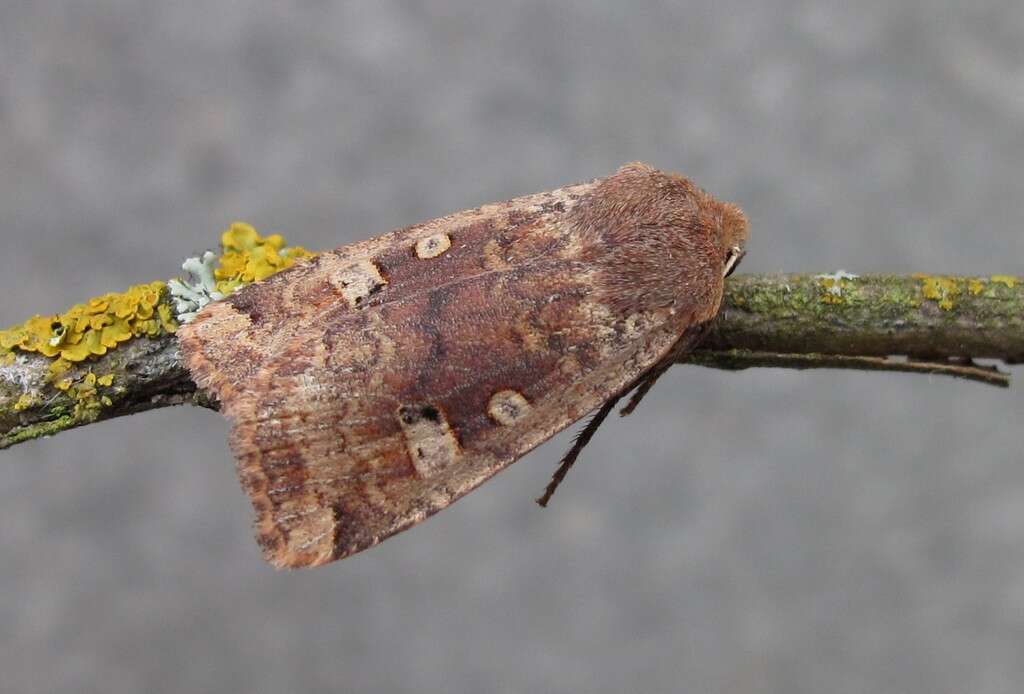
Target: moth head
655, 232
732, 236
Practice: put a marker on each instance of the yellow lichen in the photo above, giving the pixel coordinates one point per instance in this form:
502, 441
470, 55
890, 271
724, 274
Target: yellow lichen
58, 367
167, 322
830, 298
834, 285
93, 327
26, 401
1008, 280
85, 391
942, 290
248, 257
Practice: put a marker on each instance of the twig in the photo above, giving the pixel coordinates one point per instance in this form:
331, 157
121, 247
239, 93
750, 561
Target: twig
790, 321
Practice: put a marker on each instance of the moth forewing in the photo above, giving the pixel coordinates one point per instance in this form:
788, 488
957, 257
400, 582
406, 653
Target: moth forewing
436, 355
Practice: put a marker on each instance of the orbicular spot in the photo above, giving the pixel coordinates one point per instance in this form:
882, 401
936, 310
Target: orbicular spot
429, 439
358, 282
507, 407
433, 245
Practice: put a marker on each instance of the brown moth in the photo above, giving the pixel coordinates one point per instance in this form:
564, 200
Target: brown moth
375, 384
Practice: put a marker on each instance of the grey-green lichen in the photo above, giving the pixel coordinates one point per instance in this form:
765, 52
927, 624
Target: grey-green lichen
196, 289
874, 315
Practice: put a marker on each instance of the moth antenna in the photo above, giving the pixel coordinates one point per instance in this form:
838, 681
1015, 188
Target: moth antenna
582, 439
649, 379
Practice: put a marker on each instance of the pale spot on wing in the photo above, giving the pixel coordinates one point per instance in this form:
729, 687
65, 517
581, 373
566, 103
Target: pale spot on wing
358, 282
507, 407
433, 245
429, 438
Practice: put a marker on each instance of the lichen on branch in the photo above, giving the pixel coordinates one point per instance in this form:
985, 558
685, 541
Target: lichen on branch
920, 316
245, 257
117, 354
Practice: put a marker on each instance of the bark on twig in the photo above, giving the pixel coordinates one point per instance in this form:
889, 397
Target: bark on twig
920, 324
921, 316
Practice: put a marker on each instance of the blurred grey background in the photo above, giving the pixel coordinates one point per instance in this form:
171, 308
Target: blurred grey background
765, 531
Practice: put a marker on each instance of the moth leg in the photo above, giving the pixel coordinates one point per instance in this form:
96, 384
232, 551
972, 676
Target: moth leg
644, 387
582, 439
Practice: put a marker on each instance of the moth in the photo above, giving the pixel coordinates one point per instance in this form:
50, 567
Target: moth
375, 384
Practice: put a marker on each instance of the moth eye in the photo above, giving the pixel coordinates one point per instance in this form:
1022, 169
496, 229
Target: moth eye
733, 259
